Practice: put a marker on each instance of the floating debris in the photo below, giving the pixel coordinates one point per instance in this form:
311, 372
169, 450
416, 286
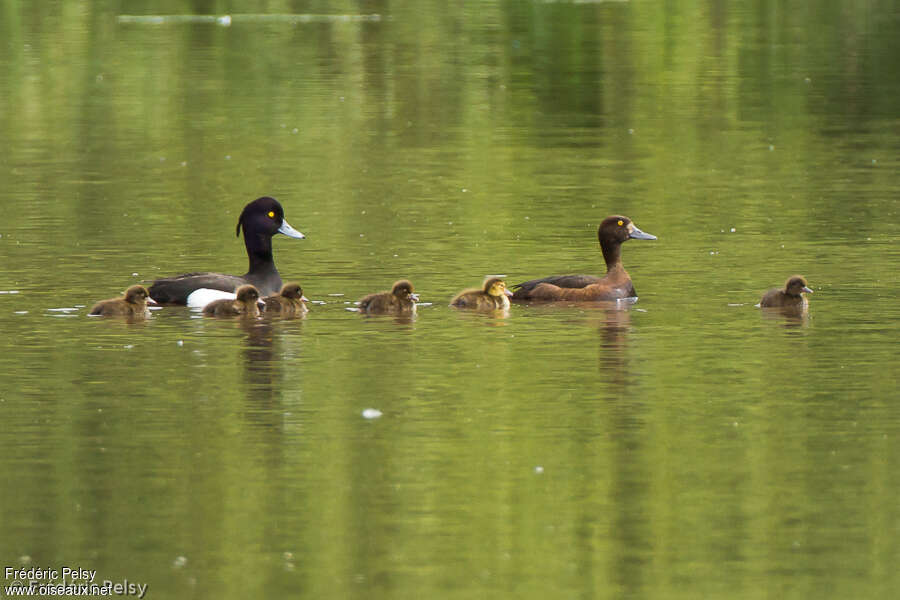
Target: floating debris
9, 291
371, 413
539, 469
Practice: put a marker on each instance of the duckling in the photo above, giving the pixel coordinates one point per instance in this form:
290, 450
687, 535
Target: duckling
290, 302
790, 297
616, 284
400, 300
245, 304
132, 304
493, 296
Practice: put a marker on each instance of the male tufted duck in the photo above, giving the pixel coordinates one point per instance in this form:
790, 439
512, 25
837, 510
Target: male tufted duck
260, 220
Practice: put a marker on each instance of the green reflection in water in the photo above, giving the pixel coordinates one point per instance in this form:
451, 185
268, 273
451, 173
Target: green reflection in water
684, 446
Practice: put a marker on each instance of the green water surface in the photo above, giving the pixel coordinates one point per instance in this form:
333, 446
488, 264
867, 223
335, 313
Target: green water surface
686, 446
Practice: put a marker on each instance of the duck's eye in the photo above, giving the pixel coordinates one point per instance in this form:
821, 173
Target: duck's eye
271, 214
620, 223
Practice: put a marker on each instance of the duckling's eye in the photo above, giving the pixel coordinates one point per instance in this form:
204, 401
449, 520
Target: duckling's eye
620, 222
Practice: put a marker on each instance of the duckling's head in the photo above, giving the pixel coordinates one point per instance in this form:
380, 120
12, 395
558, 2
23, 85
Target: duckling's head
247, 294
618, 229
265, 216
496, 287
292, 290
137, 294
796, 285
403, 290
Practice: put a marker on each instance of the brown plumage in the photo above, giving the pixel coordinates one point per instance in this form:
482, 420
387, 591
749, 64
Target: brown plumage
245, 304
492, 296
132, 304
399, 301
789, 297
289, 303
616, 284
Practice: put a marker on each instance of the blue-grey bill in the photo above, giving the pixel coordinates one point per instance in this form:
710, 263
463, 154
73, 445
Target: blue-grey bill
289, 231
640, 235
807, 290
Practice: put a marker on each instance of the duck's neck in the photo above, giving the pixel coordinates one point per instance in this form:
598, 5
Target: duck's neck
259, 250
612, 254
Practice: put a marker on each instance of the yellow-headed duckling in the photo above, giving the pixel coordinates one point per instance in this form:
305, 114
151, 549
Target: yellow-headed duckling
289, 303
245, 304
790, 297
260, 220
616, 284
132, 304
399, 301
493, 296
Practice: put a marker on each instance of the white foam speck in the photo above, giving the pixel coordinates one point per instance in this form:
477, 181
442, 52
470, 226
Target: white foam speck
539, 469
371, 413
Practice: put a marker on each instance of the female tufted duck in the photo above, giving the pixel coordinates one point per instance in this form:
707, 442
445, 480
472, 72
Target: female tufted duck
616, 284
132, 304
790, 297
492, 296
260, 220
245, 304
399, 301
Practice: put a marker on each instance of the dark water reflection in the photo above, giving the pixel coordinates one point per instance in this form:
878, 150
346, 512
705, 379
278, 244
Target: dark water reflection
688, 445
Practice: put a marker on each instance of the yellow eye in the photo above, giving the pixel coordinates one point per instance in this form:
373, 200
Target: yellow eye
272, 215
621, 222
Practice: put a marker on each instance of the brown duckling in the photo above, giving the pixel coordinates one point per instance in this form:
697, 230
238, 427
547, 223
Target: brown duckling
132, 304
399, 301
790, 297
289, 303
492, 296
616, 284
245, 304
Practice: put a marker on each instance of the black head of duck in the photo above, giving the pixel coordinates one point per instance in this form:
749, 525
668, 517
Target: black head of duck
401, 299
791, 296
259, 221
133, 303
616, 284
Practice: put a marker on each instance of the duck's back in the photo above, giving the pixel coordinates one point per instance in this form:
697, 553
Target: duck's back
523, 290
111, 308
381, 302
286, 306
477, 299
778, 298
222, 308
616, 285
175, 290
